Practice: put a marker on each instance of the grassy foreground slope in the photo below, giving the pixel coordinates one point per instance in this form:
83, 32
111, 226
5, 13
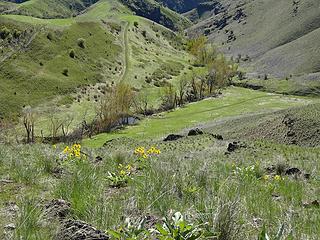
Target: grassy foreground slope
233, 102
233, 195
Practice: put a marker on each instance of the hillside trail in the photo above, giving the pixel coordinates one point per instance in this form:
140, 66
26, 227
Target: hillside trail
125, 43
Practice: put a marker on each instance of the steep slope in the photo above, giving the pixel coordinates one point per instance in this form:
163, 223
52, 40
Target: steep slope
269, 33
299, 126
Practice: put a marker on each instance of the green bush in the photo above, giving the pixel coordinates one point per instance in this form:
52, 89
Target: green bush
65, 72
72, 53
50, 36
4, 33
81, 43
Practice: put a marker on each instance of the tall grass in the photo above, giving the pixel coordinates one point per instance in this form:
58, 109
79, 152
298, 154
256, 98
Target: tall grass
31, 223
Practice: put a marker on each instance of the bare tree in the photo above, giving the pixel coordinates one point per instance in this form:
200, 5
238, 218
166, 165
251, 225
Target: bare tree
55, 125
66, 123
29, 116
182, 90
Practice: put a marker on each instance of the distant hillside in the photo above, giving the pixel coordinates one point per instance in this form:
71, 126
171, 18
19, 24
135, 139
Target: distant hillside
154, 11
266, 35
48, 8
180, 6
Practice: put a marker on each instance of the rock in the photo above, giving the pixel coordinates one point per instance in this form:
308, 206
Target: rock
218, 136
78, 230
10, 227
257, 222
307, 175
12, 208
57, 208
310, 204
234, 146
291, 133
283, 169
195, 132
98, 159
293, 171
172, 137
6, 181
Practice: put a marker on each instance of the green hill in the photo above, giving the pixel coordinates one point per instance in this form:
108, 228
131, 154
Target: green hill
42, 59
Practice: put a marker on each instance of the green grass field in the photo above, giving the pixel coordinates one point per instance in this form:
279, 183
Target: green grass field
233, 102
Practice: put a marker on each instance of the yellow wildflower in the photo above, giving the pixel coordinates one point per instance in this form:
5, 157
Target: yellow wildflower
129, 168
277, 177
66, 150
123, 173
266, 177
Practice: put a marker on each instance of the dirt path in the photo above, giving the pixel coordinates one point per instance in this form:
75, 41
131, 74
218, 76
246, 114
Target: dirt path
126, 53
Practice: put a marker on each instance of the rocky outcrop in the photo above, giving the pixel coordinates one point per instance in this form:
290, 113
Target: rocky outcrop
79, 230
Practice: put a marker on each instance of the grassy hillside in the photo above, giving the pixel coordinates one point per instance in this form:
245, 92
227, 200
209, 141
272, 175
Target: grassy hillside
48, 9
297, 126
46, 60
237, 194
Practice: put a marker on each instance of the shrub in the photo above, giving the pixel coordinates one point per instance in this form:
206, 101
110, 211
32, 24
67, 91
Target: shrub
4, 33
65, 72
81, 43
144, 33
72, 53
16, 33
136, 24
50, 36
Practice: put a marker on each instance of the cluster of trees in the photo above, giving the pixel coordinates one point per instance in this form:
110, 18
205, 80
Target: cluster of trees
7, 33
218, 74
